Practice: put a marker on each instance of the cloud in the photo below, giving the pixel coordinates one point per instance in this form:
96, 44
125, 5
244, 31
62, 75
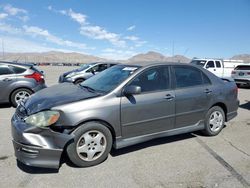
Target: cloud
6, 28
97, 32
131, 28
13, 44
13, 10
90, 30
39, 32
132, 38
3, 15
78, 17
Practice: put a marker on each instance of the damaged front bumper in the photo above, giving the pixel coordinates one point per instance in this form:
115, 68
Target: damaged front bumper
39, 147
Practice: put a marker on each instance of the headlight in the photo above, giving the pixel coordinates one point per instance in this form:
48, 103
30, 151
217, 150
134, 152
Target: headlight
43, 119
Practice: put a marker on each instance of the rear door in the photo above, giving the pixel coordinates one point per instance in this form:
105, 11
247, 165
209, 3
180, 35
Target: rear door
153, 109
7, 79
191, 96
219, 69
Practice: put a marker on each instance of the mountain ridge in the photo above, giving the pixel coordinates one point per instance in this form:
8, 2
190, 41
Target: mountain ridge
74, 57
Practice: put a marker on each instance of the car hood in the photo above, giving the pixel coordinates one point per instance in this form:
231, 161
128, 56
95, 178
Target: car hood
57, 95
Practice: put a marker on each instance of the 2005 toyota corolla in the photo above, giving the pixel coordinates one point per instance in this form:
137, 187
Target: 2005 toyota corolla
121, 106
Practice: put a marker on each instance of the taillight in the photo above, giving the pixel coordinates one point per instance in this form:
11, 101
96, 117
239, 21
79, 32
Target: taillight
248, 73
36, 76
233, 72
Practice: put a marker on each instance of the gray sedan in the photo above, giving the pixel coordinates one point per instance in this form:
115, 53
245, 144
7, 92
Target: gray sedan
121, 106
18, 81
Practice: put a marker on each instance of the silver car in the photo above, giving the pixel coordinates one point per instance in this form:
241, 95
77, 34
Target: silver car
84, 72
241, 75
121, 106
18, 81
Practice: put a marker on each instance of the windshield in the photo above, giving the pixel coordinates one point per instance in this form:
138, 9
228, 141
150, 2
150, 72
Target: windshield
198, 62
109, 79
85, 66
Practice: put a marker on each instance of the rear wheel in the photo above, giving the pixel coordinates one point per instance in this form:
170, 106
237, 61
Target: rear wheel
19, 95
91, 146
214, 122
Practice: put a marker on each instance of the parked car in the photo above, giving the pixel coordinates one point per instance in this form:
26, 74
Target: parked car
241, 75
121, 106
83, 73
219, 67
18, 81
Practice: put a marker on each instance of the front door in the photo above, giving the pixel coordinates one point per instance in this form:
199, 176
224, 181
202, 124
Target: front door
153, 109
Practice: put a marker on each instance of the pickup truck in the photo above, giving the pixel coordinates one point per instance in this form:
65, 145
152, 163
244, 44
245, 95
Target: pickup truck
219, 67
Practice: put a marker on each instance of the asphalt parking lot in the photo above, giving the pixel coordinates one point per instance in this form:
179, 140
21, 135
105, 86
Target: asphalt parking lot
189, 160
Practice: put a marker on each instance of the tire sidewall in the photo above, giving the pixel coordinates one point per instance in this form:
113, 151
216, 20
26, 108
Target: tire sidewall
208, 130
71, 148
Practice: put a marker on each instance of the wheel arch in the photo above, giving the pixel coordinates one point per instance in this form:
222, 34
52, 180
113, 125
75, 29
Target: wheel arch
223, 106
103, 122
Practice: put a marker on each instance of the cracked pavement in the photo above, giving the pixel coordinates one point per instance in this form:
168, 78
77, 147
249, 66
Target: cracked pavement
189, 160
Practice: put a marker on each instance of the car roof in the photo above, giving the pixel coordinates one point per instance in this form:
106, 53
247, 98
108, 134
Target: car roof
151, 64
15, 63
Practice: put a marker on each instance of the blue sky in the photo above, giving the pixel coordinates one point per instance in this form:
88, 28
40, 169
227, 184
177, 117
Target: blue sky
120, 29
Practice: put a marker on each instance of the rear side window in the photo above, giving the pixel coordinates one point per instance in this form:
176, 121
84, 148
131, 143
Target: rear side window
187, 76
18, 70
218, 64
242, 67
5, 70
153, 79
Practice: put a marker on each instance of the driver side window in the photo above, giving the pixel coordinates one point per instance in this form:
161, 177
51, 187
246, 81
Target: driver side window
154, 79
210, 64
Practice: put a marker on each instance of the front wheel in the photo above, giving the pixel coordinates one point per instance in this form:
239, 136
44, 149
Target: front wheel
91, 146
214, 122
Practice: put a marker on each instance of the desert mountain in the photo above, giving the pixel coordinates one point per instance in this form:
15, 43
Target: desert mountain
244, 57
62, 57
51, 57
156, 57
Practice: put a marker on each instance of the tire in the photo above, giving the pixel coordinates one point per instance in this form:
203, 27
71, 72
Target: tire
19, 95
78, 81
214, 122
91, 145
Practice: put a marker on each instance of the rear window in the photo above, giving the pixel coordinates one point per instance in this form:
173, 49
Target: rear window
35, 69
18, 70
242, 67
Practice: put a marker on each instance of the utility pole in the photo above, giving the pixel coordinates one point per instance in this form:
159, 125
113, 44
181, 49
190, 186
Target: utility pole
173, 50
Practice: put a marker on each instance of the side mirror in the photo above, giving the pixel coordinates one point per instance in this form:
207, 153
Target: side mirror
207, 66
132, 90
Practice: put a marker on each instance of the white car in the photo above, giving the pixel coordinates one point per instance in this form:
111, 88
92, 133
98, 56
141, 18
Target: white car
241, 75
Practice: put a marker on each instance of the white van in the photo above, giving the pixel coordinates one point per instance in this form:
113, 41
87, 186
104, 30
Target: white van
221, 68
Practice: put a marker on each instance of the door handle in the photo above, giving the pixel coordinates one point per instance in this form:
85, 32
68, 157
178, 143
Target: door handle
208, 91
214, 69
169, 97
7, 79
